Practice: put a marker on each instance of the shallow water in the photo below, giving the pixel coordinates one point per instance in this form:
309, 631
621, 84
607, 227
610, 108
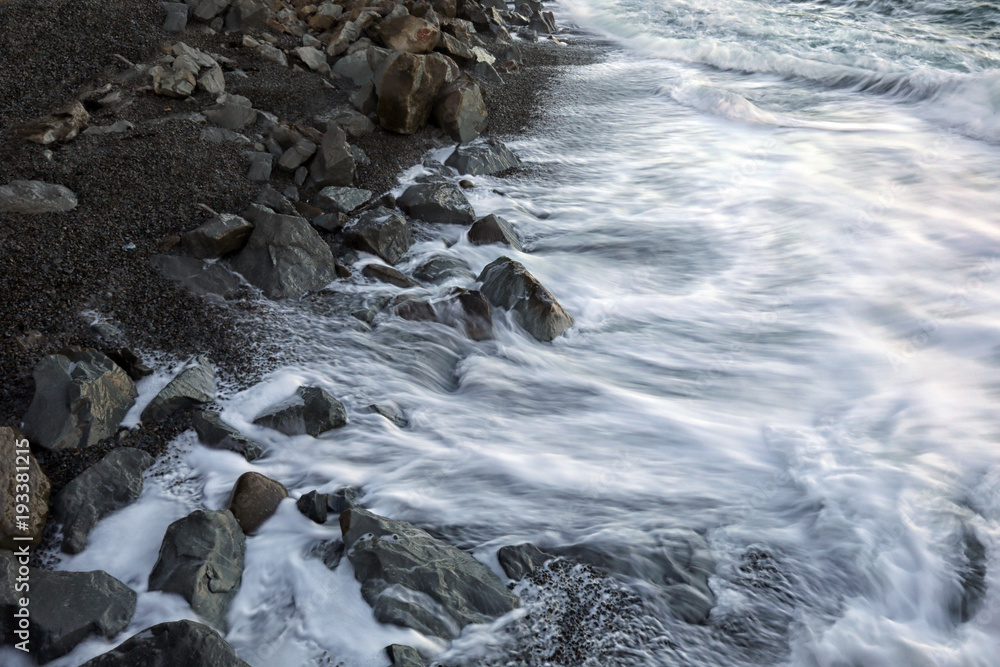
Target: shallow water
776, 226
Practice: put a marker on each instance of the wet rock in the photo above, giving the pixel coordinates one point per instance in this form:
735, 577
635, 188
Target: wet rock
507, 284
460, 110
437, 202
470, 311
415, 580
129, 362
260, 167
387, 274
444, 267
34, 197
334, 162
213, 432
414, 309
177, 16
409, 34
66, 607
16, 458
201, 559
491, 157
255, 499
273, 53
342, 200
972, 575
285, 257
520, 560
333, 222
314, 505
81, 397
381, 232
196, 276
170, 645
404, 656
494, 229
219, 236
407, 86
193, 385
232, 112
310, 410
105, 487
344, 499
330, 553
391, 411
61, 125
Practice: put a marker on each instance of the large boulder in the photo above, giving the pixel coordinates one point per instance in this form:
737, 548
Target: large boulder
407, 86
380, 231
460, 110
65, 607
171, 644
105, 487
16, 462
507, 284
254, 499
196, 276
213, 432
420, 582
201, 559
222, 234
437, 202
81, 397
61, 125
285, 257
34, 197
494, 229
194, 385
409, 33
310, 410
334, 162
481, 159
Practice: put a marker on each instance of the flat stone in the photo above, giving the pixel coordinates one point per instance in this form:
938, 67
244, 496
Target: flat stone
507, 284
255, 499
16, 458
486, 73
35, 197
193, 385
218, 135
342, 200
491, 157
437, 202
198, 277
387, 274
213, 432
310, 410
494, 229
382, 232
115, 128
219, 236
178, 643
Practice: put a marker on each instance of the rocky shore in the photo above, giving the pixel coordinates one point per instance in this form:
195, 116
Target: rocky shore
170, 167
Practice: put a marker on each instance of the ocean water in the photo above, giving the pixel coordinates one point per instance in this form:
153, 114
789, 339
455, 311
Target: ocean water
777, 224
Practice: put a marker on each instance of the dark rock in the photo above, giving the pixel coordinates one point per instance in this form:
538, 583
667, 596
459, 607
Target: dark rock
344, 499
387, 274
366, 315
404, 656
177, 16
260, 167
521, 560
310, 410
415, 580
334, 163
61, 125
507, 284
414, 309
437, 202
233, 112
34, 197
332, 222
391, 411
342, 200
409, 33
314, 505
460, 110
443, 267
972, 575
275, 201
221, 235
255, 499
455, 48
407, 86
494, 229
479, 159
105, 487
194, 385
171, 645
470, 311
201, 559
198, 277
81, 397
330, 553
364, 98
486, 73
354, 67
213, 432
382, 232
16, 458
297, 155
247, 15
130, 363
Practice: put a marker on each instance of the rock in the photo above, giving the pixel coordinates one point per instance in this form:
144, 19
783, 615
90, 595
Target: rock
326, 16
213, 432
353, 123
129, 362
219, 236
387, 274
212, 81
520, 560
437, 202
391, 411
417, 581
193, 385
297, 155
341, 38
494, 229
354, 67
247, 15
80, 398
332, 222
414, 309
196, 276
313, 58
455, 48
334, 162
381, 232
66, 608
177, 16
480, 159
285, 257
169, 645
409, 34
260, 167
460, 110
173, 82
34, 197
115, 128
17, 459
543, 22
444, 267
507, 284
255, 499
314, 505
486, 73
470, 311
344, 499
407, 86
206, 10
201, 559
233, 112
342, 200
105, 487
310, 410
61, 125
364, 98
404, 656
273, 54
270, 198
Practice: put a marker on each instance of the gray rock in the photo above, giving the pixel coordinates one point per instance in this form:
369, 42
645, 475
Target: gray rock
198, 277
404, 656
16, 458
455, 48
342, 200
344, 499
460, 110
61, 125
355, 67
201, 559
247, 15
521, 560
507, 284
297, 155
193, 385
260, 167
255, 499
387, 274
486, 73
468, 310
415, 580
105, 487
285, 257
310, 410
494, 229
330, 553
169, 645
218, 135
364, 98
219, 236
34, 197
381, 232
213, 432
444, 267
437, 202
233, 112
391, 411
81, 397
206, 10
66, 607
314, 505
413, 308
212, 81
360, 157
313, 58
353, 123
115, 128
177, 16
273, 53
272, 199
479, 159
331, 222
179, 83
334, 162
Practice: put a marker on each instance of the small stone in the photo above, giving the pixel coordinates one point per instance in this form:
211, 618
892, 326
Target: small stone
260, 167
221, 235
491, 157
521, 560
198, 277
195, 384
387, 274
313, 58
115, 128
494, 229
234, 113
342, 200
177, 16
391, 411
508, 284
334, 163
213, 432
255, 499
212, 81
61, 125
314, 505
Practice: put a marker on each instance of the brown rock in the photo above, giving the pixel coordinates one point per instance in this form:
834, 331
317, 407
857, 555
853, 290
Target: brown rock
18, 467
407, 86
460, 110
410, 34
255, 498
61, 125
